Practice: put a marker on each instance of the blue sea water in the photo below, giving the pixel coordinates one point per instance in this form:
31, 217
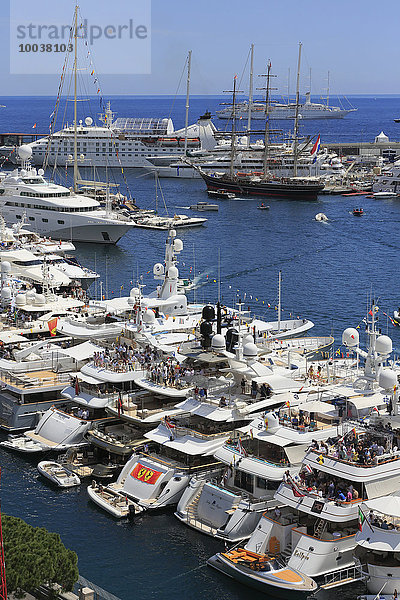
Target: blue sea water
328, 271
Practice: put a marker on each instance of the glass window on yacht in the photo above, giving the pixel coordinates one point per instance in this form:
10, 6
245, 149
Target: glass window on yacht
60, 222
31, 218
45, 220
18, 216
244, 481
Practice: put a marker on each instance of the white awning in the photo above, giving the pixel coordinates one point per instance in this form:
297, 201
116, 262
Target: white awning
382, 487
296, 454
89, 379
9, 337
81, 351
389, 505
361, 402
316, 406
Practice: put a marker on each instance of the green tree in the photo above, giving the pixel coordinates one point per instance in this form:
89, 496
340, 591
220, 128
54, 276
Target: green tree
35, 556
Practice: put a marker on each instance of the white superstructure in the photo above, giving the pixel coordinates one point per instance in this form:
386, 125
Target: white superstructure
55, 210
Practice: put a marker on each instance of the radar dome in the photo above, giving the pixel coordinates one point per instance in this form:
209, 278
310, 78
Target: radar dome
248, 339
148, 317
131, 301
173, 273
24, 152
271, 422
158, 269
350, 337
88, 121
40, 300
218, 343
383, 344
250, 350
41, 172
5, 267
387, 379
6, 296
178, 245
172, 233
30, 297
20, 299
134, 292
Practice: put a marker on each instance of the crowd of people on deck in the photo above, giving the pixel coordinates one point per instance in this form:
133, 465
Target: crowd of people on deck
324, 485
170, 373
362, 449
121, 358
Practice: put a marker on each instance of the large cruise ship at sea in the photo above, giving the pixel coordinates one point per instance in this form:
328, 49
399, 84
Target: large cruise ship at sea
281, 111
123, 142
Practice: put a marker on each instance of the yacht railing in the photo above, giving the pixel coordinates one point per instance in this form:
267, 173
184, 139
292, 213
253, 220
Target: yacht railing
25, 382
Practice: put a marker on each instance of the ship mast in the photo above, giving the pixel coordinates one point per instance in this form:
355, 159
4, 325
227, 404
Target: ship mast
250, 105
75, 100
187, 100
266, 135
296, 117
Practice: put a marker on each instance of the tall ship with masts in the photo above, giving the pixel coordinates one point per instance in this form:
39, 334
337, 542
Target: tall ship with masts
264, 183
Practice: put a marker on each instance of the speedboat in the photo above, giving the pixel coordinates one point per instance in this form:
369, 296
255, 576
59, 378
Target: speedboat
378, 195
204, 206
263, 572
358, 212
263, 206
321, 217
118, 505
167, 223
221, 194
58, 474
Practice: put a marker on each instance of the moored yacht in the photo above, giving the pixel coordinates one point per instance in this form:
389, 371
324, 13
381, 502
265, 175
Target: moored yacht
55, 210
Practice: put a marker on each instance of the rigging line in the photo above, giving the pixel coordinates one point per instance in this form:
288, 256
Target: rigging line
177, 89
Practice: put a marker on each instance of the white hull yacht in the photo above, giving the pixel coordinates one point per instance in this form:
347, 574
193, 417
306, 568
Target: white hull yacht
54, 210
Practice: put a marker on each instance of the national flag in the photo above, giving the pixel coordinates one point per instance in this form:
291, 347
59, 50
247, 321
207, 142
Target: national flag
296, 492
119, 404
287, 403
251, 434
34, 126
240, 448
361, 519
169, 426
320, 459
52, 325
76, 386
92, 73
354, 432
315, 148
308, 469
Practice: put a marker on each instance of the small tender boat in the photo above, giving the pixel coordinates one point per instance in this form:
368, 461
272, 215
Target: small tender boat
263, 573
58, 474
263, 206
204, 206
321, 217
396, 316
378, 195
166, 223
113, 502
221, 194
358, 212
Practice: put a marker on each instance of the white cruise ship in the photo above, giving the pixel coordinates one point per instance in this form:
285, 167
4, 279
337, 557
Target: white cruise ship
55, 210
280, 111
123, 142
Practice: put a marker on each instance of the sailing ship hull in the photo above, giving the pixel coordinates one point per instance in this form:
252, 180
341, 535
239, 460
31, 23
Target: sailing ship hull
277, 188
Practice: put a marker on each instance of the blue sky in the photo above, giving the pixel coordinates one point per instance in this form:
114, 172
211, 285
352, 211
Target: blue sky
355, 40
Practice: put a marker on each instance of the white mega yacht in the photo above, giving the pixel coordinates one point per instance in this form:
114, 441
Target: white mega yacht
56, 210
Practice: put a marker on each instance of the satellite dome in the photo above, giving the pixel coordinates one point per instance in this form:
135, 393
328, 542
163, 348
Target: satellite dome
158, 269
178, 245
30, 297
20, 299
172, 233
5, 267
134, 292
218, 342
271, 422
40, 300
41, 172
383, 344
387, 379
173, 273
250, 350
24, 152
248, 339
23, 172
88, 121
148, 317
350, 337
131, 301
5, 296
